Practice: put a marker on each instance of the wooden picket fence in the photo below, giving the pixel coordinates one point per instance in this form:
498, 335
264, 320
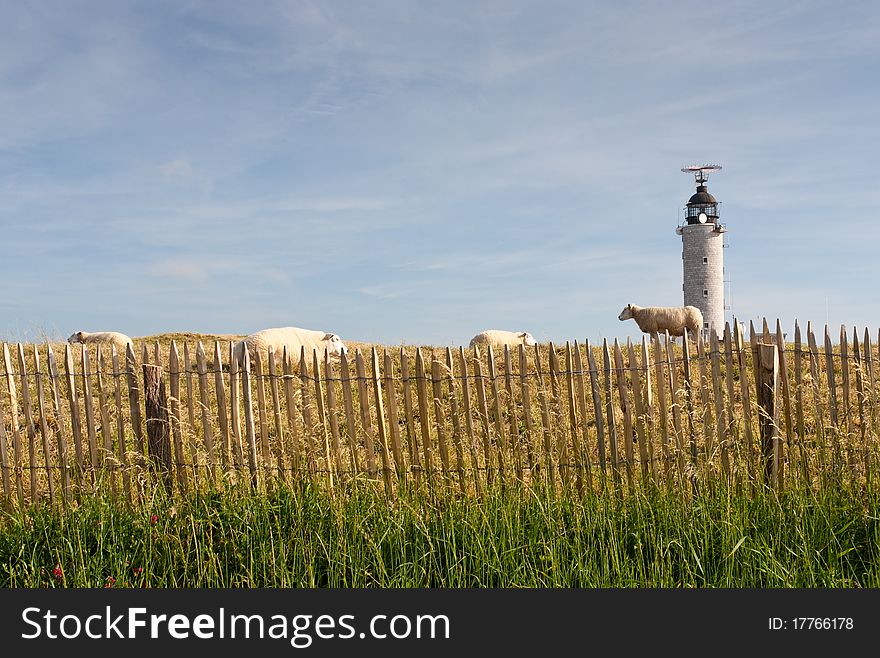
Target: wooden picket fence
682, 414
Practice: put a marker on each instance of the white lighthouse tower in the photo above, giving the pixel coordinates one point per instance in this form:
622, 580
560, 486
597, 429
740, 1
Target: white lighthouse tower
702, 237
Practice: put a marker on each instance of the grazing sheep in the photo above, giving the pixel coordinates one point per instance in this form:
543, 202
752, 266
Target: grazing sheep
498, 338
657, 319
102, 337
293, 338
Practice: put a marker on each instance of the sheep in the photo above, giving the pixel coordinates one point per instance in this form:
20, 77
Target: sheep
293, 338
657, 319
498, 338
101, 337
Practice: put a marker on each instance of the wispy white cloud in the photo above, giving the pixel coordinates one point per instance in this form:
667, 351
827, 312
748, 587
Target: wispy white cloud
179, 269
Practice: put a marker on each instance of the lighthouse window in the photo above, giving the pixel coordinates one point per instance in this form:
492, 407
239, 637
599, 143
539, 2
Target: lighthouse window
705, 293
705, 260
705, 325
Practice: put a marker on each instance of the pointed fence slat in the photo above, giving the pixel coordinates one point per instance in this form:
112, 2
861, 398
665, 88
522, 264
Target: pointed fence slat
572, 420
456, 420
380, 424
207, 431
689, 398
27, 410
63, 456
648, 407
526, 396
308, 425
785, 391
332, 414
675, 396
394, 419
174, 417
44, 426
134, 401
609, 411
249, 427
364, 400
237, 437
705, 405
258, 384
550, 464
595, 389
424, 421
721, 424
585, 454
819, 411
440, 416
75, 423
660, 378
90, 413
746, 402
730, 429
108, 470
799, 403
846, 407
833, 401
190, 402
500, 447
324, 435
639, 408
278, 444
626, 408
220, 393
562, 457
874, 402
345, 378
120, 421
412, 438
860, 398
290, 402
469, 421
16, 435
513, 423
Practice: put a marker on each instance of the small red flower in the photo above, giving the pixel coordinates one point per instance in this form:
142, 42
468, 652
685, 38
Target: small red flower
111, 581
138, 571
154, 519
58, 573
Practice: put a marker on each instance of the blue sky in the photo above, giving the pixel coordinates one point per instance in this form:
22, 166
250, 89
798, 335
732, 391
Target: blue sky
417, 172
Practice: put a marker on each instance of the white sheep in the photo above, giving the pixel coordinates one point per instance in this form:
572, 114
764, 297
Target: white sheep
657, 319
293, 338
498, 338
101, 337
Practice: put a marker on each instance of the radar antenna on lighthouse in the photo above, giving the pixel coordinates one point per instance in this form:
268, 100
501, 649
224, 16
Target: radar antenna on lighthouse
701, 172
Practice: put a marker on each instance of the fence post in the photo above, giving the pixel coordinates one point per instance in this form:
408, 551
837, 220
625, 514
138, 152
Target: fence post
767, 375
158, 435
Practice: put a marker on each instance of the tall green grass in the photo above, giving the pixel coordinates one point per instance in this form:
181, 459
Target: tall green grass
308, 538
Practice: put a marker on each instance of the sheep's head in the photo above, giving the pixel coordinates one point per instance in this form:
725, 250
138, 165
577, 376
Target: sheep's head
75, 338
527, 339
334, 344
626, 313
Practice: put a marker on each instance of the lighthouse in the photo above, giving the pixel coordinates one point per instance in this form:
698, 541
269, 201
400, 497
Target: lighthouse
702, 238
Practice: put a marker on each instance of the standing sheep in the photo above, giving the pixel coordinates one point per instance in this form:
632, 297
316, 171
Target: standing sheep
293, 338
657, 319
101, 337
498, 338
